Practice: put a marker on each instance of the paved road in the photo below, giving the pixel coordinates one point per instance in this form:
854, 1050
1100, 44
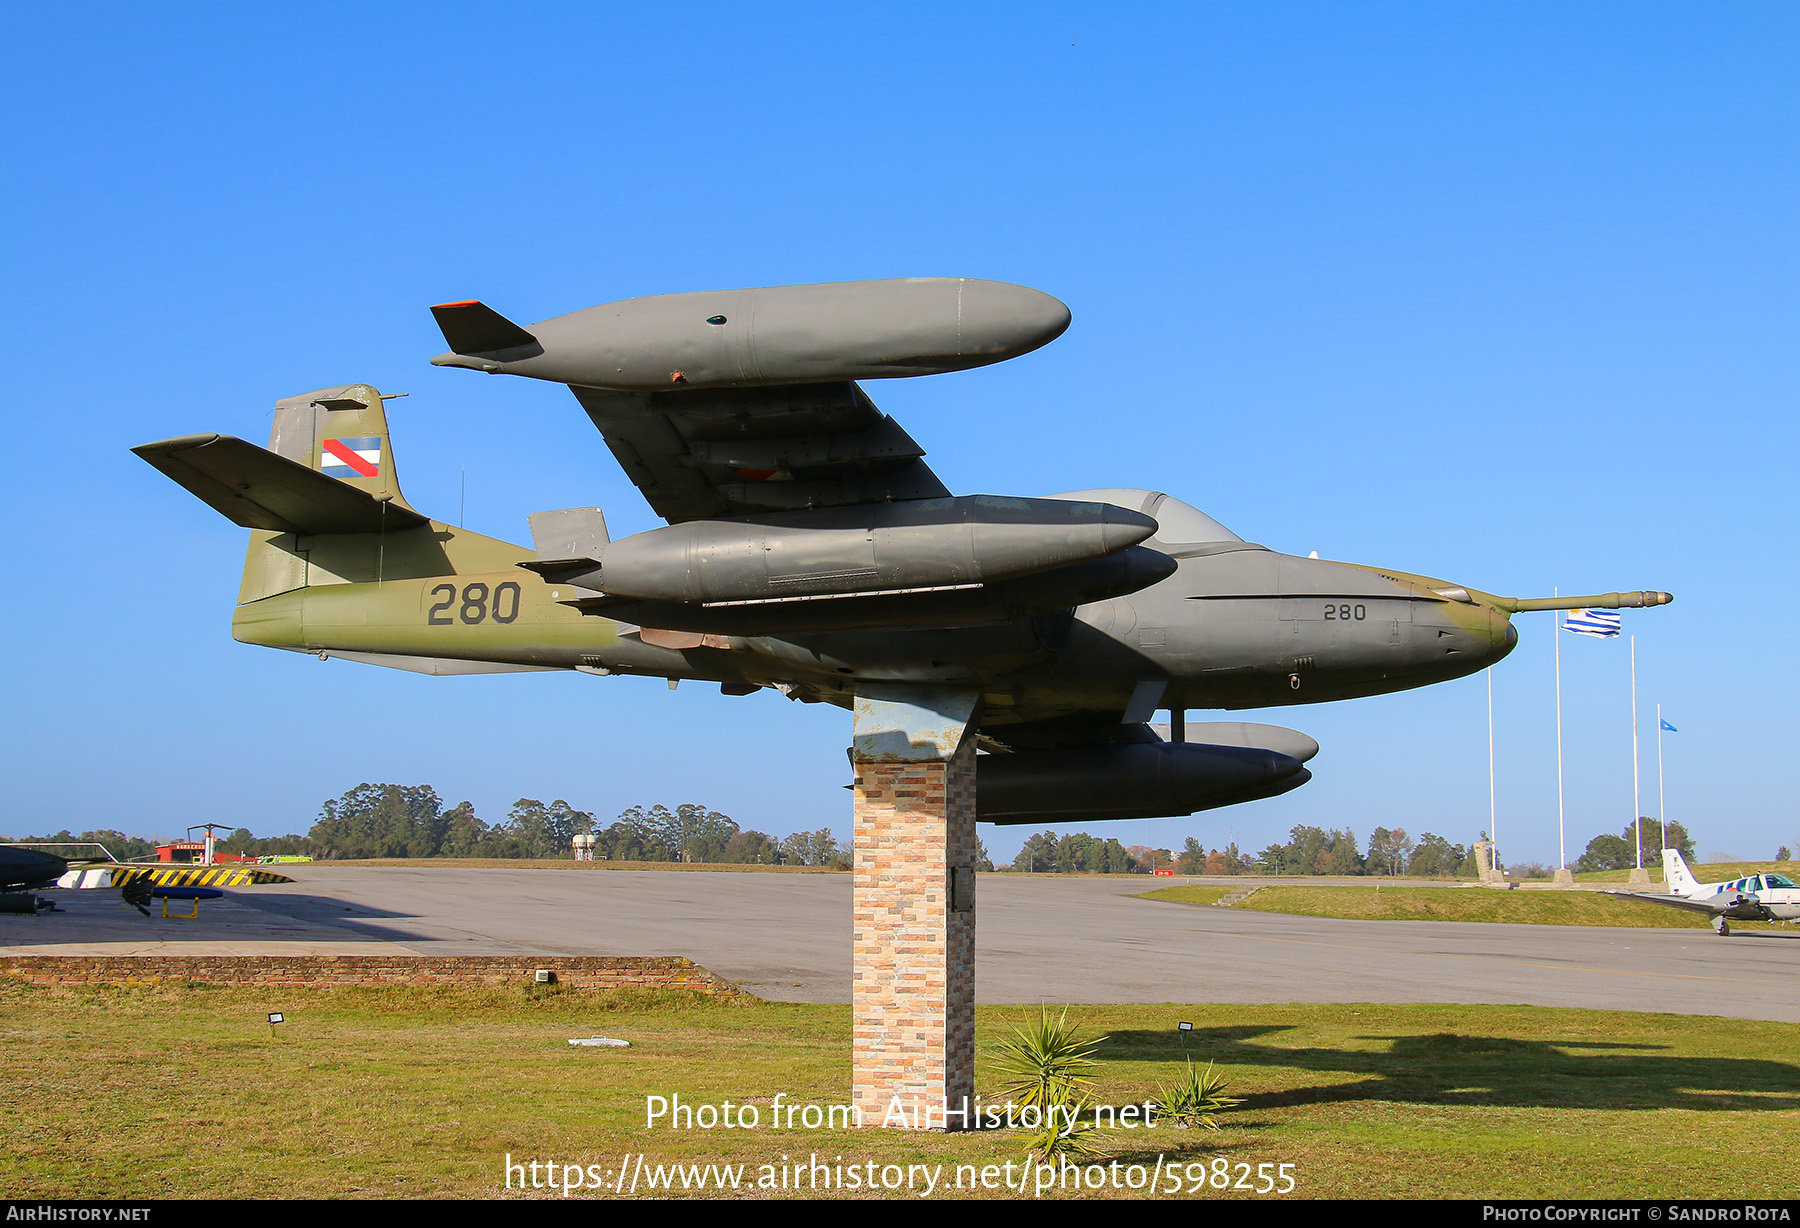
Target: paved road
1075, 940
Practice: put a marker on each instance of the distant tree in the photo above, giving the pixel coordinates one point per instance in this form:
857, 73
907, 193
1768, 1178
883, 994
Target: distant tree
1678, 839
1038, 854
690, 832
1620, 852
1073, 853
465, 835
1341, 857
1436, 857
240, 841
1606, 852
380, 821
1389, 850
533, 829
1304, 846
811, 848
1094, 858
120, 845
1192, 859
1118, 860
1232, 860
751, 848
1782, 854
983, 862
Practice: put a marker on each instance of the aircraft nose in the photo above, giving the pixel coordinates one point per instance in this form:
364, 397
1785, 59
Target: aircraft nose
1500, 636
1473, 633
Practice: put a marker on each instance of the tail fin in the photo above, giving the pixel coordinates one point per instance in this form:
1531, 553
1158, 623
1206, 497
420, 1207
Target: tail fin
343, 433
1675, 874
323, 501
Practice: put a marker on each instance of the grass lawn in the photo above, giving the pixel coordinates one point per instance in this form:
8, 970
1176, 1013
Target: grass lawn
1188, 895
1458, 904
180, 1092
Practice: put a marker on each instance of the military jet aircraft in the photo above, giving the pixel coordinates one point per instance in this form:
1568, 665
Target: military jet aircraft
1755, 897
23, 870
810, 550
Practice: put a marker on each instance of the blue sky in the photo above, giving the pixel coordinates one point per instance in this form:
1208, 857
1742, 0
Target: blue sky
1502, 294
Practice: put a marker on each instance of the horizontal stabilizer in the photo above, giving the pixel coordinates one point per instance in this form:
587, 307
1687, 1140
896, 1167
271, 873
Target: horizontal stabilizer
475, 328
254, 487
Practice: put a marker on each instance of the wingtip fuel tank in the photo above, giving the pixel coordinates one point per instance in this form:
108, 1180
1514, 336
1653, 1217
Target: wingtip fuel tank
808, 334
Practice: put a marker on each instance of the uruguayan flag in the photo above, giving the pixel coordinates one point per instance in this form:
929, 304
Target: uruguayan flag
350, 458
1603, 624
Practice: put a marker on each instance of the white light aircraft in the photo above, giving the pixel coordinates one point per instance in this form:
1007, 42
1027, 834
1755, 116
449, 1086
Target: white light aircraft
1755, 897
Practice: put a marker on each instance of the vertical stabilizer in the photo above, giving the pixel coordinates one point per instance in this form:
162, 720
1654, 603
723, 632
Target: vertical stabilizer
341, 432
1675, 874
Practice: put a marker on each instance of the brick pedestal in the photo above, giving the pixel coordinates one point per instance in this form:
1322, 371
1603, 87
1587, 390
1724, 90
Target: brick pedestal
913, 992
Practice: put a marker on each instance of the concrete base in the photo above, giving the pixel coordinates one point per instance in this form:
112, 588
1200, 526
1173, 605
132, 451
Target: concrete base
913, 902
1563, 878
1640, 877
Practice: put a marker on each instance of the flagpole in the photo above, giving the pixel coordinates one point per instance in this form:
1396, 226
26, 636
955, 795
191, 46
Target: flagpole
1493, 815
1637, 807
1562, 855
1662, 812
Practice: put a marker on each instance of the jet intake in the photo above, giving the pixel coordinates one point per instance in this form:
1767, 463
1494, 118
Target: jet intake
1142, 781
919, 546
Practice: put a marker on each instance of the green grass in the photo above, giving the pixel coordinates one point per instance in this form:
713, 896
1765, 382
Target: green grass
1188, 895
180, 1092
1458, 904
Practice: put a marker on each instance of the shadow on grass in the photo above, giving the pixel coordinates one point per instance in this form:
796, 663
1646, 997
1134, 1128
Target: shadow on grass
1454, 1068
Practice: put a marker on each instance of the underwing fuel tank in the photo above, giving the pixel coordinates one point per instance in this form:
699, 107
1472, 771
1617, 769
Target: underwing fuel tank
1143, 781
776, 335
916, 546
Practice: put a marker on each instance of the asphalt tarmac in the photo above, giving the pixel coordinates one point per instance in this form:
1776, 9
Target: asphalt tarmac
1074, 940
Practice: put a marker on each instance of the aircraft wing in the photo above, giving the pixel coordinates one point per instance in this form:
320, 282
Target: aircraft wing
746, 402
746, 451
1711, 905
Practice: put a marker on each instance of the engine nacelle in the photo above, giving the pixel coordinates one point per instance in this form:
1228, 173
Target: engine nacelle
1117, 575
911, 547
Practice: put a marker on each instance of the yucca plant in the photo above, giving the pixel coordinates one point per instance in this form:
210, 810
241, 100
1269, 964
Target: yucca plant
1196, 1099
1065, 1134
1044, 1063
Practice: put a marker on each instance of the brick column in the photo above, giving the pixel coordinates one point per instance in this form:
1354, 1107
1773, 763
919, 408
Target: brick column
913, 989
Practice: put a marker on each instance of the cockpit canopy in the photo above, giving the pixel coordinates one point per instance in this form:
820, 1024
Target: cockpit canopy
1179, 524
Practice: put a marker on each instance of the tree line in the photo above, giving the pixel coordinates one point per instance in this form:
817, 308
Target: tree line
392, 821
387, 820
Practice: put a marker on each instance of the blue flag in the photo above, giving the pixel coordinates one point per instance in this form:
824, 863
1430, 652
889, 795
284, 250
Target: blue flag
1670, 727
